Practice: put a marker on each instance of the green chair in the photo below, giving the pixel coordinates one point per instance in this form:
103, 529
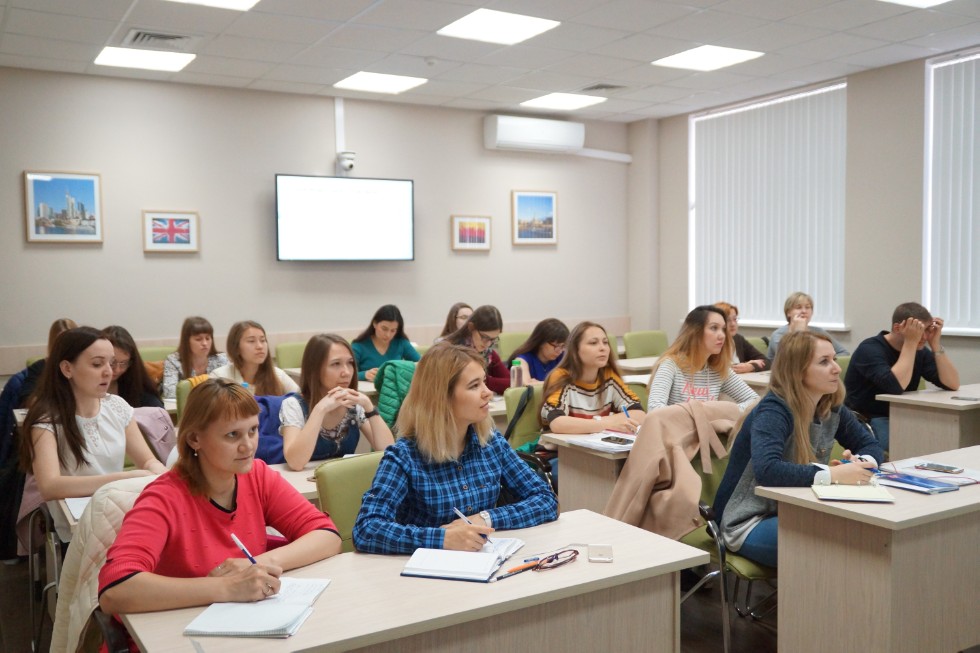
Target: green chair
341, 483
290, 354
759, 344
183, 389
640, 344
528, 427
33, 359
509, 341
642, 391
421, 349
154, 354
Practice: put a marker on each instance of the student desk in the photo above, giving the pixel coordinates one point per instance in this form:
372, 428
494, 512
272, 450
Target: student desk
758, 381
587, 476
631, 604
931, 420
637, 365
877, 577
301, 479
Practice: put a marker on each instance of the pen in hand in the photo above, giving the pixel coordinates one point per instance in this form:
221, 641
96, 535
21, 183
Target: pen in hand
241, 546
466, 519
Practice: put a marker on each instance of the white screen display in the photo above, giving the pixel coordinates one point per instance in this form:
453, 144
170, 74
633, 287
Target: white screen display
344, 219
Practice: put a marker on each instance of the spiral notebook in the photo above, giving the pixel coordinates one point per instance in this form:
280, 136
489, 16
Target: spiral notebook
278, 616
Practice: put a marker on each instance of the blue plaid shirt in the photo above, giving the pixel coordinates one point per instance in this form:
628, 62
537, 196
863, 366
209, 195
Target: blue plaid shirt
411, 498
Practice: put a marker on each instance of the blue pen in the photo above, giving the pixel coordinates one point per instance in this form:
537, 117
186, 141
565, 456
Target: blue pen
241, 546
848, 462
625, 412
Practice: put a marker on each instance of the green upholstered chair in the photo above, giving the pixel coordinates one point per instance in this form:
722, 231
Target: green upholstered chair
759, 344
33, 359
154, 354
341, 483
290, 354
642, 391
183, 389
421, 349
509, 341
528, 427
640, 344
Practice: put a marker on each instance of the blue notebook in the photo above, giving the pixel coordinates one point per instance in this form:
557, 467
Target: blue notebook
916, 483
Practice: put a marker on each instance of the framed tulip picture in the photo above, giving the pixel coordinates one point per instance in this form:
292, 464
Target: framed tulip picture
173, 232
470, 232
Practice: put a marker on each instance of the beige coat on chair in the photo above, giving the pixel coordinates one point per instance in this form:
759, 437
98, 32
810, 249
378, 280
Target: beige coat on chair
658, 489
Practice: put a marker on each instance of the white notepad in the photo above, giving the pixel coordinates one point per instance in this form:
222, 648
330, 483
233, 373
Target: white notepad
478, 566
872, 493
280, 615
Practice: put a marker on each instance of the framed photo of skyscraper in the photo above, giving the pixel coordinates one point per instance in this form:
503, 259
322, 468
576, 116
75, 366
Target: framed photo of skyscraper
175, 232
63, 207
534, 217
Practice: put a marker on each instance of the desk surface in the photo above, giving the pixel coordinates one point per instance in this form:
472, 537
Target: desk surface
301, 479
935, 398
910, 508
568, 441
634, 365
378, 605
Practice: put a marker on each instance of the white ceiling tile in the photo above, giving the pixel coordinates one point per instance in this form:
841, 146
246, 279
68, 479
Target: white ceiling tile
42, 63
819, 72
446, 47
525, 56
551, 9
504, 94
373, 37
709, 80
771, 9
964, 7
322, 9
249, 48
552, 82
107, 9
49, 48
446, 88
832, 46
888, 55
576, 37
848, 14
772, 37
281, 28
633, 15
648, 75
706, 26
951, 40
645, 47
771, 64
414, 66
657, 94
591, 64
305, 74
479, 73
429, 15
207, 64
183, 18
912, 25
473, 104
58, 26
337, 58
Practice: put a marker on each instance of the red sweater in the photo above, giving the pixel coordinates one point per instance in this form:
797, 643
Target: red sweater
172, 533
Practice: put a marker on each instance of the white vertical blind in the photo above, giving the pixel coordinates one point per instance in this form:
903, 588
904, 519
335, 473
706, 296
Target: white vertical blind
767, 205
951, 269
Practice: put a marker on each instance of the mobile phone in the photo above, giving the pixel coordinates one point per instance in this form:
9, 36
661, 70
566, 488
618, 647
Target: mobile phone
600, 553
615, 439
936, 467
966, 398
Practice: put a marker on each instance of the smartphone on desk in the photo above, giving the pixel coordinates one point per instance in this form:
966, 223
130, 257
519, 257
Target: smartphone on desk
615, 439
600, 553
936, 467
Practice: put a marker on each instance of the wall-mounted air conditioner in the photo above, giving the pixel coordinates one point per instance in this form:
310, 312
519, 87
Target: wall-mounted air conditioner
532, 134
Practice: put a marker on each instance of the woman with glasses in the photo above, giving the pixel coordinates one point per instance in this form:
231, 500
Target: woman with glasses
746, 358
129, 378
251, 365
542, 350
383, 340
458, 314
448, 457
482, 332
195, 355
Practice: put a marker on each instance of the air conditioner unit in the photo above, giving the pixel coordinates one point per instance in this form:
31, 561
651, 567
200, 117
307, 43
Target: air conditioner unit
532, 134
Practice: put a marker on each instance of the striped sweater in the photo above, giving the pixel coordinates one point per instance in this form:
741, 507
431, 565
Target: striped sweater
670, 385
604, 396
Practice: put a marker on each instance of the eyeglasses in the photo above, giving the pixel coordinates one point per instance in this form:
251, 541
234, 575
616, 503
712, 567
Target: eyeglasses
556, 560
559, 346
487, 340
120, 365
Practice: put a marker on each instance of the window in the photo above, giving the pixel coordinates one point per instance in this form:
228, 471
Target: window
951, 238
767, 205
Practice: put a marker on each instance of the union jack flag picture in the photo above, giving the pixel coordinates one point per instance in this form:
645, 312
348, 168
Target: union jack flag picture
170, 231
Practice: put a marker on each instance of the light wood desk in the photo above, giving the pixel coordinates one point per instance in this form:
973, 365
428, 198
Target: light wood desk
301, 479
170, 405
874, 577
758, 381
629, 605
931, 420
637, 365
587, 476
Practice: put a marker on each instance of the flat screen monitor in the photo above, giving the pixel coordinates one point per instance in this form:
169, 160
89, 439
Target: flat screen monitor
344, 219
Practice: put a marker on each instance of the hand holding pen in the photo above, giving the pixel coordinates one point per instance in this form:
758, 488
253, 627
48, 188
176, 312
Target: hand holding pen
464, 535
247, 579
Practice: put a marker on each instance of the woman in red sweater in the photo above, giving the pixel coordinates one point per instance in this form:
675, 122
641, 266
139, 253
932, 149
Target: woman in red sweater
481, 332
175, 549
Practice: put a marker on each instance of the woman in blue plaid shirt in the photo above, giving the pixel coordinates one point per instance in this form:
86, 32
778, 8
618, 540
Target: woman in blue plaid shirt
449, 456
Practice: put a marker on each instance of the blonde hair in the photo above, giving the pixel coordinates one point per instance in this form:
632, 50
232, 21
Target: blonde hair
688, 351
208, 402
426, 415
792, 301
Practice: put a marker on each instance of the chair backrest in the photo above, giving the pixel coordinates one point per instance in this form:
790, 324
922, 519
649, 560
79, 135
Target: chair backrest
341, 483
33, 359
759, 343
645, 343
642, 391
152, 354
421, 349
290, 354
528, 427
710, 482
183, 389
843, 361
509, 341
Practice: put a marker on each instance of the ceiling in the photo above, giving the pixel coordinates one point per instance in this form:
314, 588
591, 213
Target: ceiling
305, 46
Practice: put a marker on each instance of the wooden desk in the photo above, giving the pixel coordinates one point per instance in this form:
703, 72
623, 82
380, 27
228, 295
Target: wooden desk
931, 420
637, 365
629, 605
587, 476
758, 381
170, 405
364, 386
301, 479
871, 577
639, 379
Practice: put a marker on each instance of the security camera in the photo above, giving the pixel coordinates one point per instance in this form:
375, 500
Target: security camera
345, 160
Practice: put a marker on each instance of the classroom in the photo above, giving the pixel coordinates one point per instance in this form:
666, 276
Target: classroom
204, 143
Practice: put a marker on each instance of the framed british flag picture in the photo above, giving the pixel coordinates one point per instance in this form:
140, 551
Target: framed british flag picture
170, 231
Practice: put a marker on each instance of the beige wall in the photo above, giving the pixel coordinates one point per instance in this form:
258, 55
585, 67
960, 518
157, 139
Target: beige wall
166, 146
885, 122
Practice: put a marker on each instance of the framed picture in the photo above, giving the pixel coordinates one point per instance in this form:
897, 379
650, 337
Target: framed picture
534, 217
175, 232
63, 207
470, 232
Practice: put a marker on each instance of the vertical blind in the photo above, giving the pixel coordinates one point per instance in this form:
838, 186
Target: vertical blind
767, 205
951, 270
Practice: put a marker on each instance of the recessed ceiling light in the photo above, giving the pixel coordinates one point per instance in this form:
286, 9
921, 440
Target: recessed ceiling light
919, 4
707, 57
563, 101
380, 83
237, 5
146, 59
497, 27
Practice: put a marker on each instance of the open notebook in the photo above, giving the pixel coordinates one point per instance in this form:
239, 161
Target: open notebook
872, 493
478, 566
280, 615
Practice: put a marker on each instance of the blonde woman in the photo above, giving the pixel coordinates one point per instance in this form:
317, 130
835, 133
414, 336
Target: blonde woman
449, 456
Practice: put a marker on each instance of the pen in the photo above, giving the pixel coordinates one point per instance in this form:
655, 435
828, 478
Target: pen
625, 412
525, 566
241, 546
520, 570
466, 519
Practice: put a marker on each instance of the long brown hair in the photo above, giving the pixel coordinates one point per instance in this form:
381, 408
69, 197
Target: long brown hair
387, 313
688, 351
193, 326
426, 415
571, 363
484, 318
450, 325
210, 401
58, 327
265, 382
133, 384
54, 400
314, 356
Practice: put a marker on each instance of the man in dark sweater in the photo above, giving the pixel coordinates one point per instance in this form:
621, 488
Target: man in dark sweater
894, 362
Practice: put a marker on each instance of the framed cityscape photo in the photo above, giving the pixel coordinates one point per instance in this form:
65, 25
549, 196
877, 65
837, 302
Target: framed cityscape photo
174, 232
534, 217
470, 232
62, 207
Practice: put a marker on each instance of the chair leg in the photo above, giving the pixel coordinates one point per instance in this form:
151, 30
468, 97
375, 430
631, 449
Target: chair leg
726, 621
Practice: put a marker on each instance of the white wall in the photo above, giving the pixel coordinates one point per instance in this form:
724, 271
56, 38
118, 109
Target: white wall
165, 146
